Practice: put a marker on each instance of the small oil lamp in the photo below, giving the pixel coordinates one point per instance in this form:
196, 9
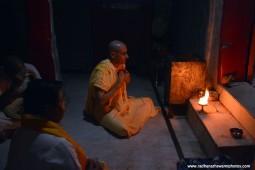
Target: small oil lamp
203, 101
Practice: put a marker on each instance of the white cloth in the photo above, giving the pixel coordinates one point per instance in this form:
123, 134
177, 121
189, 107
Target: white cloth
13, 109
32, 150
6, 84
26, 80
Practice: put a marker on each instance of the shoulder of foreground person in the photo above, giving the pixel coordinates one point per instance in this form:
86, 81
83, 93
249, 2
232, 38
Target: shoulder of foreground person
47, 152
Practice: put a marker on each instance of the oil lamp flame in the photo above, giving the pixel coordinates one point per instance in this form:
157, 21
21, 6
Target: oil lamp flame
204, 100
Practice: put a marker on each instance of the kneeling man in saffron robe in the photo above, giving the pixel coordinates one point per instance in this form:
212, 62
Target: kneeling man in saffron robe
107, 98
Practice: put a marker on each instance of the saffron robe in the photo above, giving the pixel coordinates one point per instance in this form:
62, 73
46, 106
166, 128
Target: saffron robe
129, 114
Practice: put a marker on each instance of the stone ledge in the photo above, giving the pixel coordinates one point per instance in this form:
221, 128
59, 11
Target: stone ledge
212, 130
239, 100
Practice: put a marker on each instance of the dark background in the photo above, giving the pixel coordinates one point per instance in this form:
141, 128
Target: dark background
176, 25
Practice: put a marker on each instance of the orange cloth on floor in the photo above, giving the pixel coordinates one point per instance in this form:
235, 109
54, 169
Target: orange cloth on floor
49, 127
129, 114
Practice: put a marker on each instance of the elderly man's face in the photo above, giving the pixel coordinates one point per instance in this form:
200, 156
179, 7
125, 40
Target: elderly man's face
121, 55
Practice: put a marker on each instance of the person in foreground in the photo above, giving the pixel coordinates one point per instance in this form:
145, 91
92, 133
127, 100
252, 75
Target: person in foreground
107, 98
41, 142
14, 77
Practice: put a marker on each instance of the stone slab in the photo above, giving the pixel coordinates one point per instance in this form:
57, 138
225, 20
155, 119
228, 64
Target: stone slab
239, 100
212, 129
244, 93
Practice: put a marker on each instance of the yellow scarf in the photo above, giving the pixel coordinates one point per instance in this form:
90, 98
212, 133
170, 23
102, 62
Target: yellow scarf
50, 127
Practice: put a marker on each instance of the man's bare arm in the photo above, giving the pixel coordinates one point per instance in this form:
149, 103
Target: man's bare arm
12, 93
8, 97
103, 97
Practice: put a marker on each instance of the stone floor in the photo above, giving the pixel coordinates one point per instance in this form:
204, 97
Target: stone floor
153, 148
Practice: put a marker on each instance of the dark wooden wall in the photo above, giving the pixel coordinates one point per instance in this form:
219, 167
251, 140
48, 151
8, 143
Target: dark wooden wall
185, 20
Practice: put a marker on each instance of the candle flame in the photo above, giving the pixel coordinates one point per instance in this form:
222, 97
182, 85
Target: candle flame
204, 100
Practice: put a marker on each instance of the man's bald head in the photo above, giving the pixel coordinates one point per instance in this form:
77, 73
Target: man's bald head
117, 52
115, 45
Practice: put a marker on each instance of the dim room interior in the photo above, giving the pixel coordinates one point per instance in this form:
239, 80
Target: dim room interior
194, 58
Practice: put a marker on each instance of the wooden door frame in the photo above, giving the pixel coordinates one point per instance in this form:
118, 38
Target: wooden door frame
213, 42
251, 63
